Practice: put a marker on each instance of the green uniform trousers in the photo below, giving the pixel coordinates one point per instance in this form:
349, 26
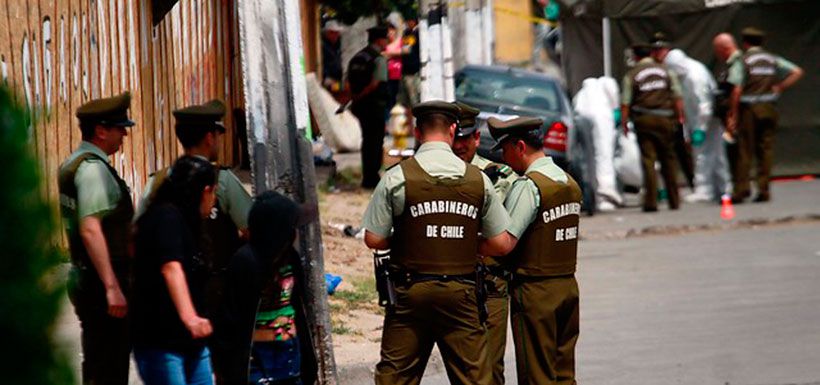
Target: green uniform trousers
106, 341
755, 139
656, 137
544, 314
497, 311
433, 312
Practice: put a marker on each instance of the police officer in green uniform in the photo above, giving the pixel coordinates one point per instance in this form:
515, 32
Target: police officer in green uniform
764, 77
97, 210
367, 82
436, 205
652, 99
198, 128
465, 145
544, 207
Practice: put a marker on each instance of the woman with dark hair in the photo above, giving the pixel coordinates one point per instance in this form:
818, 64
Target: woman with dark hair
169, 328
264, 314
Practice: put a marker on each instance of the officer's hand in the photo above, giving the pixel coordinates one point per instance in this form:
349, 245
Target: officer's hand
117, 306
777, 89
199, 327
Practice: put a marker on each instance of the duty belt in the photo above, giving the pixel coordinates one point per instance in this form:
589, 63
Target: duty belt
662, 112
762, 98
404, 276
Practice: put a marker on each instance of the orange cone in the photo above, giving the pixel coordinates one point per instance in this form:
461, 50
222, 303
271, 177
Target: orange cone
727, 211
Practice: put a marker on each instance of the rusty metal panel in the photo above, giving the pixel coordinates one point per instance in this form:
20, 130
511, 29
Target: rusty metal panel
61, 53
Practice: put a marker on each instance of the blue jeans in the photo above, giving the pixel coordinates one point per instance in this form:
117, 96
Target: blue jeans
277, 362
168, 367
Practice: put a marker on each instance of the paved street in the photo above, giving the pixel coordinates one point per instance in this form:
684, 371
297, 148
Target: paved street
726, 307
684, 297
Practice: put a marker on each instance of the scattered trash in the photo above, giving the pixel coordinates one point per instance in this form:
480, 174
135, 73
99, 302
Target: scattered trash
332, 281
348, 230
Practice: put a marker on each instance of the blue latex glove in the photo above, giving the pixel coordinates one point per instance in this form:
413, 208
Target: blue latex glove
698, 136
616, 115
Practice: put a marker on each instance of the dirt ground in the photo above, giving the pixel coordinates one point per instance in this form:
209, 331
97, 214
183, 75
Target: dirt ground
355, 314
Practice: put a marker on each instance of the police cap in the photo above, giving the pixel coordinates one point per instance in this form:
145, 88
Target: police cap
206, 116
377, 32
659, 40
436, 107
521, 127
109, 112
466, 119
752, 35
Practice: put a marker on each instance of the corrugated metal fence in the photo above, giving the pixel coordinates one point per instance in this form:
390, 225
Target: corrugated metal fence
58, 54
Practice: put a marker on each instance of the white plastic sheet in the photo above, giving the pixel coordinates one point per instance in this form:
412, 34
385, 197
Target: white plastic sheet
341, 131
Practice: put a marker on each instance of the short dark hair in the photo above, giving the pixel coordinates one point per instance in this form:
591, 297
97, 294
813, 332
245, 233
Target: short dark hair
435, 122
191, 136
531, 139
755, 41
641, 51
88, 130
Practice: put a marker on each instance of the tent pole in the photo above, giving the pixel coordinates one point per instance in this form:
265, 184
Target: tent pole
607, 41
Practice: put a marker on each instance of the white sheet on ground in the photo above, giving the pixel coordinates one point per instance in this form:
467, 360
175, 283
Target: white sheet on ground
341, 131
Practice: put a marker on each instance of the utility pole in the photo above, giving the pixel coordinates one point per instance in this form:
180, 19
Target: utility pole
436, 51
281, 157
473, 32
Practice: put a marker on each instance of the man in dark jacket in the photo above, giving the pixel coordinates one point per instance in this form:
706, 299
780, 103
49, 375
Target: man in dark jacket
259, 322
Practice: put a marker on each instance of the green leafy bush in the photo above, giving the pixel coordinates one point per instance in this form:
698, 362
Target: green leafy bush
30, 295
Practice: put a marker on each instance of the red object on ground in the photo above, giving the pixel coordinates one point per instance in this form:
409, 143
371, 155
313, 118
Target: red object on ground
727, 211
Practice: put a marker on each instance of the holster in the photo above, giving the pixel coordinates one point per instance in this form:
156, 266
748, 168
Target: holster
384, 284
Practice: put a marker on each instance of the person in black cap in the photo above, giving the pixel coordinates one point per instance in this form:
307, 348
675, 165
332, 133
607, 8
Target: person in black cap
266, 274
198, 128
651, 99
765, 77
544, 207
367, 82
436, 205
96, 207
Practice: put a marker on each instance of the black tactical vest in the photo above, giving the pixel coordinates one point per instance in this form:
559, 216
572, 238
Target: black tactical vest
116, 224
437, 233
549, 246
651, 87
724, 90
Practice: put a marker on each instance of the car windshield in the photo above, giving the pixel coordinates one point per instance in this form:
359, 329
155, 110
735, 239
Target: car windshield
504, 88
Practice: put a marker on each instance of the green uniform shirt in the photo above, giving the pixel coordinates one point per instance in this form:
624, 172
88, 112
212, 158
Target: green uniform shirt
626, 88
524, 199
231, 195
737, 74
502, 185
438, 160
380, 70
735, 64
97, 190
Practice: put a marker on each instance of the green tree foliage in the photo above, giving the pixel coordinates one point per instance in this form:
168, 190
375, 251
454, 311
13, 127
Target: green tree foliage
29, 297
349, 10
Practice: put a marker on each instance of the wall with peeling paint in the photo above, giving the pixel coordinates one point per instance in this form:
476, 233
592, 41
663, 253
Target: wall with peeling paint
58, 54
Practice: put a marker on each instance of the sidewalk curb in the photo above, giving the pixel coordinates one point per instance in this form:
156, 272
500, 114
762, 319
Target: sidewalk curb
661, 230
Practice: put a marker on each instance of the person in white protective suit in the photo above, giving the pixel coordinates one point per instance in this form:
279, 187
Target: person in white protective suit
702, 129
596, 101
